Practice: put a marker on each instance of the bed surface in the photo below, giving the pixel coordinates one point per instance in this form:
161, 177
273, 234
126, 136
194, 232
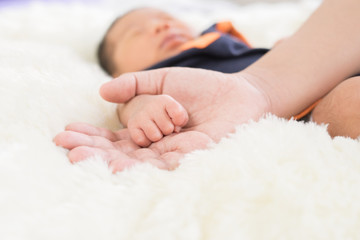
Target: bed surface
274, 179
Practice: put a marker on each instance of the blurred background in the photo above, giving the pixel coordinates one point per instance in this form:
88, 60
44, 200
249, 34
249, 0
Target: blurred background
20, 2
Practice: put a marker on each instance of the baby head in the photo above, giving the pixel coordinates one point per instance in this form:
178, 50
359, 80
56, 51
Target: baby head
141, 38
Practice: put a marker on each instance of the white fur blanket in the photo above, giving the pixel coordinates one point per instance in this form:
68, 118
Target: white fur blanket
274, 179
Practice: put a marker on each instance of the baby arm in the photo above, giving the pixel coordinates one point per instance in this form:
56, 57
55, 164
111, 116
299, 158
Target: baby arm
150, 117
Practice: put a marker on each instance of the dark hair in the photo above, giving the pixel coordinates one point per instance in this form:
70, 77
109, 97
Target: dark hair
104, 52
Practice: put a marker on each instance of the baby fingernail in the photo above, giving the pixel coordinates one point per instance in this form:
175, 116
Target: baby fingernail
177, 129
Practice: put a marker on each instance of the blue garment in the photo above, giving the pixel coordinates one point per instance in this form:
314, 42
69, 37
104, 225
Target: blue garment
226, 54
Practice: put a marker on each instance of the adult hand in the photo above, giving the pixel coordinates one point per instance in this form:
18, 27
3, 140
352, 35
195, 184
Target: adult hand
285, 85
216, 104
84, 141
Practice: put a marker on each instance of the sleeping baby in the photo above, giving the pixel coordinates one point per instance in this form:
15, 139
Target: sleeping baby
149, 38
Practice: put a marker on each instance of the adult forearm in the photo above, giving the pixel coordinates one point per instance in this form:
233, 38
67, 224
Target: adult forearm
323, 52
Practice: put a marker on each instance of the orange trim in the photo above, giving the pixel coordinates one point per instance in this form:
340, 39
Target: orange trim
201, 42
208, 38
227, 27
306, 111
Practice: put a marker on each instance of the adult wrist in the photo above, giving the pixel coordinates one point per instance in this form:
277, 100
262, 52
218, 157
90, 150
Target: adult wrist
257, 79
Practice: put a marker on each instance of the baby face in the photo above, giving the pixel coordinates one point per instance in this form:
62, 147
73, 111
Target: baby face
144, 37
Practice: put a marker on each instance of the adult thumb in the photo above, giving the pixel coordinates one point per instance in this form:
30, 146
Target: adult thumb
128, 85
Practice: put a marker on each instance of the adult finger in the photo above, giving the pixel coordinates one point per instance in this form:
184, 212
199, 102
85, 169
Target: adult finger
127, 86
146, 155
182, 142
172, 159
91, 130
70, 140
127, 162
126, 146
88, 129
117, 160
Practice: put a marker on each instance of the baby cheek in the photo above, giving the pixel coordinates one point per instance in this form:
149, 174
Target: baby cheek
144, 55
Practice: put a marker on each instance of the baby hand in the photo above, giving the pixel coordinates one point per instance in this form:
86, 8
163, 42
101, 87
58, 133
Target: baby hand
156, 116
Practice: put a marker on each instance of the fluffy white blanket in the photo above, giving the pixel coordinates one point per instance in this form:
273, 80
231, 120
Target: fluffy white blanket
274, 179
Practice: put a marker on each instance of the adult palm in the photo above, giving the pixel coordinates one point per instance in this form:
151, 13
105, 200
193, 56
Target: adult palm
215, 102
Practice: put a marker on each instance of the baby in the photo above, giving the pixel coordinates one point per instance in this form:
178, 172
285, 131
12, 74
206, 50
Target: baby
141, 38
148, 38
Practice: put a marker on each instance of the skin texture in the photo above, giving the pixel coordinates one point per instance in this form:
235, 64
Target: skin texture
149, 118
120, 152
136, 41
140, 33
284, 82
337, 109
212, 117
144, 37
309, 64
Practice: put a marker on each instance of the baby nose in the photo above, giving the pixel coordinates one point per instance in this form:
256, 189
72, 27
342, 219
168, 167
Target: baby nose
157, 26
